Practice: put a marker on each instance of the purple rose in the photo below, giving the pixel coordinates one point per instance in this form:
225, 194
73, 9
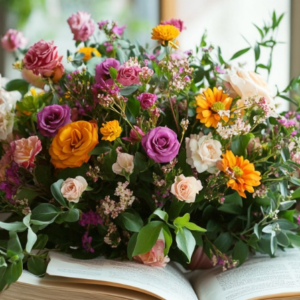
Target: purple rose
53, 117
102, 75
147, 100
129, 75
161, 144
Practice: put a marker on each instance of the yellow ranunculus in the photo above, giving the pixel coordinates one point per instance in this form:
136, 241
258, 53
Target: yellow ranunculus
165, 33
73, 143
89, 52
111, 130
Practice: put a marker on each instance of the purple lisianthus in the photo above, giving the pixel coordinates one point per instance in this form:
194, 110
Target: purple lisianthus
53, 117
161, 144
175, 22
147, 100
102, 76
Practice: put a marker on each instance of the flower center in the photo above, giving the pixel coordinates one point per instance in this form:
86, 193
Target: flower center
238, 172
218, 106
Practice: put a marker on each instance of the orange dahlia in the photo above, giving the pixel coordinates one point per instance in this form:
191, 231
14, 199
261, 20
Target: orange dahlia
241, 173
209, 104
165, 34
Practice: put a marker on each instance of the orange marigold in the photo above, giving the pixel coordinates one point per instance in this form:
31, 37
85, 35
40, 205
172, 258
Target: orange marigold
209, 104
88, 52
241, 173
111, 130
165, 33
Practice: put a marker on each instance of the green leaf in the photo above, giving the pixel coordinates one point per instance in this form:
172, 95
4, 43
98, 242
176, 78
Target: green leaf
285, 224
294, 239
147, 237
102, 147
273, 243
13, 271
182, 221
73, 172
140, 162
295, 181
234, 198
286, 205
121, 56
17, 85
71, 215
282, 239
56, 192
3, 282
132, 222
168, 239
45, 212
27, 194
295, 195
257, 52
2, 262
260, 31
231, 209
92, 63
36, 265
42, 240
240, 252
133, 106
223, 242
239, 53
15, 226
194, 227
186, 242
128, 90
131, 245
239, 144
161, 214
113, 73
14, 246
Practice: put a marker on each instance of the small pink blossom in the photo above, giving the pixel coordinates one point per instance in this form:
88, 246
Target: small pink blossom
82, 26
13, 39
25, 150
118, 30
128, 75
155, 257
175, 22
298, 220
135, 135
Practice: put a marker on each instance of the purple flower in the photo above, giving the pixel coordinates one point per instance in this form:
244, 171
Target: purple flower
135, 135
90, 218
147, 100
102, 24
118, 30
53, 117
86, 242
175, 22
298, 220
161, 144
102, 76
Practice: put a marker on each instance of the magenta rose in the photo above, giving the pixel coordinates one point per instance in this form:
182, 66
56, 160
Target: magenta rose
13, 40
102, 69
175, 22
82, 26
129, 75
42, 58
147, 100
53, 117
161, 144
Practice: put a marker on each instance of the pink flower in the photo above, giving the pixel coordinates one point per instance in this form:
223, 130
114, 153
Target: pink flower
147, 100
135, 135
175, 22
72, 188
25, 150
186, 188
82, 26
129, 75
118, 30
155, 257
42, 58
298, 220
13, 40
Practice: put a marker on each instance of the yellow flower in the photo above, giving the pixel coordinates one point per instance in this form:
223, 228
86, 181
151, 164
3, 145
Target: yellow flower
111, 130
209, 106
89, 52
73, 143
165, 34
241, 173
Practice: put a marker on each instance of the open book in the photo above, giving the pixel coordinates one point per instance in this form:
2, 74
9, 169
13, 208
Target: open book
73, 279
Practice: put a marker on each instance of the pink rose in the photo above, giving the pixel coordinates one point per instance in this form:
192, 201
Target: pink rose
13, 40
155, 257
25, 150
72, 188
129, 75
186, 188
147, 100
82, 26
42, 58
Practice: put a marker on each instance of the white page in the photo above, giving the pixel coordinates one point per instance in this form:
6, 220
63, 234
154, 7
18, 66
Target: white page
259, 276
166, 283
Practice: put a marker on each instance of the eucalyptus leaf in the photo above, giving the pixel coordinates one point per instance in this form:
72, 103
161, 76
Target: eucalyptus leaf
56, 192
45, 212
15, 226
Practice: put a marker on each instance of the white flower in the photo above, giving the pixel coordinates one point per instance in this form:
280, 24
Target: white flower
124, 162
72, 188
6, 121
203, 152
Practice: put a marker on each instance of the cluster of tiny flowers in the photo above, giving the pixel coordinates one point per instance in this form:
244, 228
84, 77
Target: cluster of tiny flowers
24, 206
105, 100
145, 74
261, 192
112, 237
295, 157
93, 173
169, 167
225, 261
86, 242
158, 181
239, 127
90, 218
184, 124
132, 62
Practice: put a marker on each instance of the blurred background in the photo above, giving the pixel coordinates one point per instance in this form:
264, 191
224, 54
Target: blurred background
229, 24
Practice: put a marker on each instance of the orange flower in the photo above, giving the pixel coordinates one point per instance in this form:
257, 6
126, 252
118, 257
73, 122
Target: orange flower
73, 143
210, 104
241, 173
165, 34
88, 52
111, 130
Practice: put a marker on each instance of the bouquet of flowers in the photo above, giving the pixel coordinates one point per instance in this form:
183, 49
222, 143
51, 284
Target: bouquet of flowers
143, 154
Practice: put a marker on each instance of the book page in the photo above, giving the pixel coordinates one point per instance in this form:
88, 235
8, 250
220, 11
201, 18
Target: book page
260, 277
165, 283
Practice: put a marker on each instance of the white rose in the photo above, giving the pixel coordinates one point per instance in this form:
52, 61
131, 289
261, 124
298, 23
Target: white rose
203, 152
72, 188
124, 162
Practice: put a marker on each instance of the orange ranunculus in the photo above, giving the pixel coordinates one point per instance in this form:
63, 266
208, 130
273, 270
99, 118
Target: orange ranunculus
88, 52
73, 143
209, 105
111, 130
241, 173
165, 34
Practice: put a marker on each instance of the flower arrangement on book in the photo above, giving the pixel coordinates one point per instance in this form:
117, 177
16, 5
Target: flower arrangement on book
143, 155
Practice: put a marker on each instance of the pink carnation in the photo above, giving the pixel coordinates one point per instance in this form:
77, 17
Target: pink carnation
42, 58
13, 40
25, 150
82, 26
155, 257
175, 22
129, 75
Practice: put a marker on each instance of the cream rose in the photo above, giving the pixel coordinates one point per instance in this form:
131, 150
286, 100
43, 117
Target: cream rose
124, 162
203, 152
248, 84
72, 188
186, 188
